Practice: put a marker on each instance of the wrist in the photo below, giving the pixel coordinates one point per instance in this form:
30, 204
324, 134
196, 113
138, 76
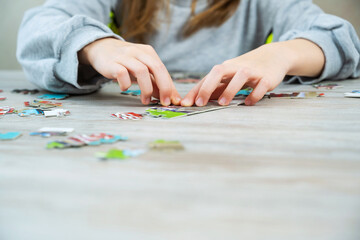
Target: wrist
284, 56
86, 54
83, 55
302, 57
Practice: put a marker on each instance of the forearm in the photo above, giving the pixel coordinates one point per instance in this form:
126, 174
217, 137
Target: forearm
304, 58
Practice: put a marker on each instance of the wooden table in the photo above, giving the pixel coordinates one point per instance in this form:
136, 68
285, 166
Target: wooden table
284, 169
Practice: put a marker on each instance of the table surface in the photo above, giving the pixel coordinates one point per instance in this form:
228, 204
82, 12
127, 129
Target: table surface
284, 169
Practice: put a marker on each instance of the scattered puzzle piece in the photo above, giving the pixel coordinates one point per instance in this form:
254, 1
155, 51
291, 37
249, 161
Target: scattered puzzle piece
49, 132
42, 104
134, 153
61, 145
296, 95
328, 86
112, 154
353, 94
10, 135
119, 154
57, 113
29, 112
166, 145
54, 96
84, 140
128, 116
2, 98
6, 110
25, 91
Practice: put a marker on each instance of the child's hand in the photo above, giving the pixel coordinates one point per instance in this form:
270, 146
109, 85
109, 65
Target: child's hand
262, 69
116, 59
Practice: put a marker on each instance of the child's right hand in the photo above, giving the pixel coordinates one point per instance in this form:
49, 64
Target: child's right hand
116, 59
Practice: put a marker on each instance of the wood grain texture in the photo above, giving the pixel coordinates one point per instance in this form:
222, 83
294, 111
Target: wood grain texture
284, 169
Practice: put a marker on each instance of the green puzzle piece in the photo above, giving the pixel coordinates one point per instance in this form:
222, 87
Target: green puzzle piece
112, 154
164, 114
52, 145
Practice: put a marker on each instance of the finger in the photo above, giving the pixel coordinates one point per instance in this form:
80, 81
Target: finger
123, 77
218, 91
175, 96
237, 82
211, 83
258, 93
141, 72
161, 76
189, 99
156, 93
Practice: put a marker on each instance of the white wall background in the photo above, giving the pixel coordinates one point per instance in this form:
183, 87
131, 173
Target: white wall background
11, 12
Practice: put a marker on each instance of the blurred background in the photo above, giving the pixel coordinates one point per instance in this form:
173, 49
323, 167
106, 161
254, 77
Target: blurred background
11, 13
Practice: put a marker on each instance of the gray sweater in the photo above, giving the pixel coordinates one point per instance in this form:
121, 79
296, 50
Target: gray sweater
51, 35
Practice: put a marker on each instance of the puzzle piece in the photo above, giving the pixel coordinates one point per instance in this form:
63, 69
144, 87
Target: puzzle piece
25, 91
112, 154
6, 110
2, 98
83, 140
165, 112
119, 154
128, 116
42, 104
179, 111
134, 153
57, 113
244, 92
9, 135
132, 92
328, 86
166, 145
29, 112
49, 132
296, 95
54, 96
64, 144
353, 94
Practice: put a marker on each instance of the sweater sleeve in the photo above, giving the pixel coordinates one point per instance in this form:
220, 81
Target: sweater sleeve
301, 19
50, 37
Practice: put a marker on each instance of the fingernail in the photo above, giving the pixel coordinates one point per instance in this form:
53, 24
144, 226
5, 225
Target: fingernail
186, 102
199, 102
167, 101
178, 100
248, 102
222, 101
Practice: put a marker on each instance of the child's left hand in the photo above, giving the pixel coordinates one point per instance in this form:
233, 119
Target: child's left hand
262, 69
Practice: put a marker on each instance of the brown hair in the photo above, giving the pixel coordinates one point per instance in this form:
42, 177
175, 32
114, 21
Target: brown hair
138, 17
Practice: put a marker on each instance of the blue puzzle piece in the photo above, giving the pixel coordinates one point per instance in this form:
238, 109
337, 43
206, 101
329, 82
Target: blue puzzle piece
132, 92
54, 96
28, 112
108, 141
10, 135
244, 92
113, 140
